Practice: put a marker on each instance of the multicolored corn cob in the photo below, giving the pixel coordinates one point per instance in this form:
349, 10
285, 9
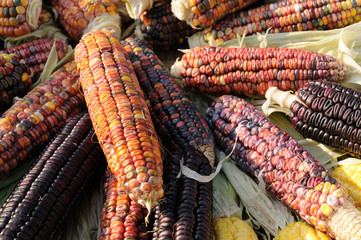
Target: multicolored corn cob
178, 122
285, 16
43, 198
14, 79
325, 112
81, 16
233, 229
161, 30
120, 116
35, 54
204, 13
121, 218
186, 212
300, 231
289, 171
349, 177
253, 70
33, 120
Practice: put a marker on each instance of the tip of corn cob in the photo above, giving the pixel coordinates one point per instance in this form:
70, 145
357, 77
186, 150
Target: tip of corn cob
33, 12
176, 69
135, 8
182, 10
282, 98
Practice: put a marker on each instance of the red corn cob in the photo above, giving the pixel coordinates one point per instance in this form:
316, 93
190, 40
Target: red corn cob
291, 174
253, 70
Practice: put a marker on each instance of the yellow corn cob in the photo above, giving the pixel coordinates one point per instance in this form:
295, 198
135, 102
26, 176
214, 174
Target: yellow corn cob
233, 229
349, 176
300, 231
120, 116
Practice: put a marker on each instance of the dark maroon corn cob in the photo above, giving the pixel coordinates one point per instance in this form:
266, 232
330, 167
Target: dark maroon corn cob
178, 122
34, 54
291, 174
253, 70
161, 30
329, 113
50, 188
186, 211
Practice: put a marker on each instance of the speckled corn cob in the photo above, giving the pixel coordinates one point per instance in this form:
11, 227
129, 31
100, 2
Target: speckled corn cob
289, 171
300, 231
179, 123
121, 218
120, 116
160, 29
81, 16
43, 198
253, 70
328, 113
286, 16
186, 212
33, 120
35, 54
204, 13
14, 79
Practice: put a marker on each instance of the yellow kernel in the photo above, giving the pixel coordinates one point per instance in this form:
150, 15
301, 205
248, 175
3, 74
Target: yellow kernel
338, 193
333, 188
326, 209
326, 188
24, 77
319, 187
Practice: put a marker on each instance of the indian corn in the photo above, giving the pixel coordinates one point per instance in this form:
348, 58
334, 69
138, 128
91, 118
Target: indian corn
120, 116
325, 112
285, 16
204, 13
34, 54
253, 70
44, 196
288, 170
81, 16
30, 123
178, 122
300, 231
121, 218
233, 228
161, 30
14, 79
186, 212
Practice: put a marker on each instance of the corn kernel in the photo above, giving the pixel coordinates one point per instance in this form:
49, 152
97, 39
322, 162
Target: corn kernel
326, 209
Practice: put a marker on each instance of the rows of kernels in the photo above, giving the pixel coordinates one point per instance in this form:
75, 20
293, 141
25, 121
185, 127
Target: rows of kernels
208, 12
178, 121
223, 228
35, 53
330, 114
348, 176
292, 175
13, 18
300, 231
162, 30
14, 79
75, 15
30, 122
286, 16
253, 70
120, 115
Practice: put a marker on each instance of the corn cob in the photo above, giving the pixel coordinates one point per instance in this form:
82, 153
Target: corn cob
300, 231
180, 125
81, 16
204, 13
120, 116
289, 171
33, 120
233, 229
186, 212
43, 198
253, 70
348, 176
35, 54
285, 16
325, 112
14, 79
121, 218
161, 30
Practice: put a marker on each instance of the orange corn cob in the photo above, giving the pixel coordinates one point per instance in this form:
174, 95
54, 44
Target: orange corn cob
35, 54
120, 116
80, 16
